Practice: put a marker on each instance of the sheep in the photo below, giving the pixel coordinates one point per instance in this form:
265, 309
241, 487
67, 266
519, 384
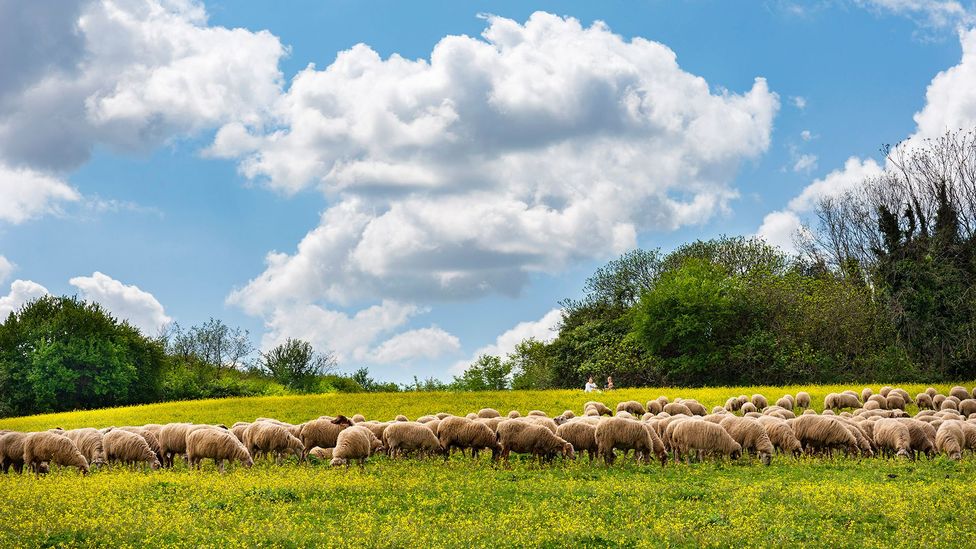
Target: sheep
950, 439
426, 419
378, 428
590, 412
624, 414
402, 417
923, 401
695, 407
751, 435
319, 453
600, 407
128, 448
52, 448
491, 422
215, 444
488, 412
537, 413
959, 392
747, 408
403, 438
864, 444
457, 432
892, 435
895, 401
564, 417
172, 439
884, 391
732, 404
632, 407
718, 410
781, 435
322, 432
12, 453
967, 407
759, 401
543, 421
581, 434
823, 433
786, 402
355, 443
442, 415
837, 401
654, 407
949, 404
803, 400
89, 443
268, 439
293, 429
675, 408
514, 414
471, 415
627, 434
702, 436
238, 429
527, 438
432, 425
923, 436
931, 391
866, 394
937, 401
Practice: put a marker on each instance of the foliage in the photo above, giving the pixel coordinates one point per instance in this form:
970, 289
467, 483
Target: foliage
488, 373
295, 364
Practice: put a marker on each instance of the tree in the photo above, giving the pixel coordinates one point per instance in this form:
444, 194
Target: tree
61, 353
213, 343
488, 373
532, 366
295, 364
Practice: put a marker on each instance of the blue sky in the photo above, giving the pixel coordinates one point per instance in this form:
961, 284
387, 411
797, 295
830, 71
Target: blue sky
151, 158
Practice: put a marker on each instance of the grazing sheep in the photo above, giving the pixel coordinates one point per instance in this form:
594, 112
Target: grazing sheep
866, 394
293, 429
627, 434
781, 435
931, 391
884, 391
871, 405
538, 413
463, 433
172, 439
895, 401
215, 444
488, 412
654, 407
432, 425
358, 418
837, 401
890, 436
950, 439
355, 443
491, 422
524, 437
543, 421
425, 419
564, 417
732, 404
675, 408
923, 436
402, 438
881, 401
748, 408
239, 428
321, 454
377, 428
323, 432
514, 414
967, 407
759, 401
701, 437
624, 414
52, 448
864, 444
751, 435
600, 407
786, 402
937, 401
471, 415
129, 449
402, 417
632, 407
582, 435
590, 412
695, 407
923, 401
89, 443
949, 404
12, 452
442, 415
270, 439
823, 433
802, 400
718, 410
960, 392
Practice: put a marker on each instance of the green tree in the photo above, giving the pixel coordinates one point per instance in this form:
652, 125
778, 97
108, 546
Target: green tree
295, 364
488, 373
532, 366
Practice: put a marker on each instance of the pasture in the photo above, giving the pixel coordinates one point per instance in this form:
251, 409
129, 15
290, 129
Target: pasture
842, 502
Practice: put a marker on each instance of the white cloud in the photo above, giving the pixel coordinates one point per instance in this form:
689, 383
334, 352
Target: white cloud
126, 73
25, 194
532, 148
425, 343
6, 268
21, 291
806, 135
799, 102
780, 228
805, 163
126, 302
950, 100
835, 183
543, 330
927, 13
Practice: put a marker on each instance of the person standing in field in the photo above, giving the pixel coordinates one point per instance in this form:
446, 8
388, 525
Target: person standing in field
609, 383
590, 386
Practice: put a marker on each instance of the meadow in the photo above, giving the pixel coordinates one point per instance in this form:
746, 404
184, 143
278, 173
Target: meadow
808, 501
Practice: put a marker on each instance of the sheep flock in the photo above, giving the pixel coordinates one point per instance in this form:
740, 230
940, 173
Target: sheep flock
861, 425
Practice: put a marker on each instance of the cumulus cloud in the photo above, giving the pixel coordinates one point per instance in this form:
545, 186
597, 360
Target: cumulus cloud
950, 100
543, 330
425, 343
805, 163
21, 291
126, 302
799, 102
6, 268
936, 14
25, 194
526, 150
126, 73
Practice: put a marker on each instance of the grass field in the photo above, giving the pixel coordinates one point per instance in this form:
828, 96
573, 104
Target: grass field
841, 502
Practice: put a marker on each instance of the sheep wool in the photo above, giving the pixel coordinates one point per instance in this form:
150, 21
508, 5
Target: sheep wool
463, 433
403, 438
215, 444
353, 444
52, 448
528, 438
703, 437
129, 449
751, 435
627, 434
581, 434
891, 436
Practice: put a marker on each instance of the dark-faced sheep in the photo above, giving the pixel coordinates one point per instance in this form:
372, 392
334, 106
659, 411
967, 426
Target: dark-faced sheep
627, 434
48, 447
401, 439
215, 444
463, 433
524, 437
582, 435
128, 448
323, 432
702, 437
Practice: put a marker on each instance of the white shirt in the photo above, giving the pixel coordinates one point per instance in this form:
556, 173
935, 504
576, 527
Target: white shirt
590, 387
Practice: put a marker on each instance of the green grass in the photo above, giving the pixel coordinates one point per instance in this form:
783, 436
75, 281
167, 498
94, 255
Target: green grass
813, 502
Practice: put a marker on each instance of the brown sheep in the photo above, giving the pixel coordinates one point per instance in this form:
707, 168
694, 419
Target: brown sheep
582, 435
527, 438
442, 415
129, 449
960, 392
52, 448
321, 454
931, 391
823, 433
238, 429
378, 428
967, 407
892, 436
866, 394
654, 407
600, 407
492, 422
803, 400
786, 402
172, 439
322, 432
747, 408
695, 407
701, 437
358, 418
402, 417
837, 401
895, 401
923, 436
949, 404
759, 401
733, 404
781, 435
543, 421
12, 452
627, 434
355, 443
463, 433
884, 391
675, 408
950, 439
632, 407
923, 401
537, 413
270, 439
513, 414
751, 435
293, 429
89, 443
937, 401
488, 412
425, 419
403, 438
215, 444
564, 417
